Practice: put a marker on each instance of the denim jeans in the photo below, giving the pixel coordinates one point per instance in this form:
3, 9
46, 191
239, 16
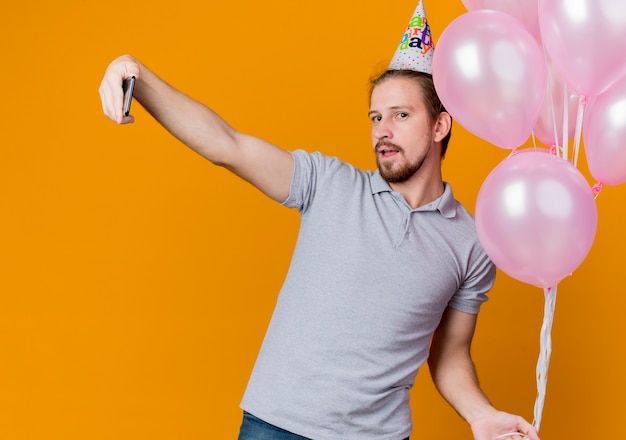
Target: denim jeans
253, 428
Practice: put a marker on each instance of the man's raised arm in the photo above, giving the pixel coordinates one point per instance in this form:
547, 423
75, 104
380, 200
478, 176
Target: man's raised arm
261, 163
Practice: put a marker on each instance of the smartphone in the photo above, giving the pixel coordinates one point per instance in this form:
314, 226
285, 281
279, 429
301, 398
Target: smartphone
128, 86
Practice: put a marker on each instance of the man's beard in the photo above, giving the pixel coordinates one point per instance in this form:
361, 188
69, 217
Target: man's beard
391, 172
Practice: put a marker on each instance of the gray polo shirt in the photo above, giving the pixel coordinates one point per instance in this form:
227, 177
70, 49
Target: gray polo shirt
369, 280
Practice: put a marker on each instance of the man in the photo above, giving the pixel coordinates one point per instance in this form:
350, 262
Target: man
357, 312
386, 274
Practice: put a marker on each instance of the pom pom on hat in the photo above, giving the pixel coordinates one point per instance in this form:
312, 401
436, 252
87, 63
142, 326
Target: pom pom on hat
416, 49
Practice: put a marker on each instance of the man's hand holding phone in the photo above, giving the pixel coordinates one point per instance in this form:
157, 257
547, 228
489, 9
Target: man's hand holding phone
117, 87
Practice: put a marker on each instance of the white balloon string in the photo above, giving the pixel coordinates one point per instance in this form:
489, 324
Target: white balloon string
551, 98
565, 117
579, 127
553, 113
511, 434
545, 350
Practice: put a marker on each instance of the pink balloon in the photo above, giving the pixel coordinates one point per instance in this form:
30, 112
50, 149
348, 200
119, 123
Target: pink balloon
553, 109
604, 134
585, 39
490, 75
526, 11
536, 217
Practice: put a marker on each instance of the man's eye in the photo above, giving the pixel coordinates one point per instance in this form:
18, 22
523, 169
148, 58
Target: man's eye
402, 115
376, 118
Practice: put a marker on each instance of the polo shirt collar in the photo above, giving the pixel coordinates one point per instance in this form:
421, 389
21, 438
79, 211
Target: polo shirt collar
446, 204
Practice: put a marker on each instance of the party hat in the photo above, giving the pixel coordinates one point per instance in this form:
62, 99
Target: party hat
416, 48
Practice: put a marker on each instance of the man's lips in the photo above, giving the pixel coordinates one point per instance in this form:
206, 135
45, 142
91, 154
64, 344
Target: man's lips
387, 150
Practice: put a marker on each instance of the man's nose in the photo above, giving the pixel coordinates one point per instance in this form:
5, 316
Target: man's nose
382, 130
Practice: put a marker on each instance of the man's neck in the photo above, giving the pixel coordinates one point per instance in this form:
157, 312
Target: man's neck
420, 190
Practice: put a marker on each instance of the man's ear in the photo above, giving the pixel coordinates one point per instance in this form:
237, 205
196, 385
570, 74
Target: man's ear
442, 126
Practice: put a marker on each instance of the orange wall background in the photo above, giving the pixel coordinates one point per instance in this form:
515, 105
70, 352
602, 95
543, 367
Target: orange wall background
137, 280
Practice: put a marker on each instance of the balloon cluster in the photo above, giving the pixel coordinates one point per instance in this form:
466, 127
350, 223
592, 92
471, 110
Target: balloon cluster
556, 69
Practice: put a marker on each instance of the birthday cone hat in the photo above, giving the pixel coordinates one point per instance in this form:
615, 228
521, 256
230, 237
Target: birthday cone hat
416, 48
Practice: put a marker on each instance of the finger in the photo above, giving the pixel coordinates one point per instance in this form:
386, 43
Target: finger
103, 100
116, 99
529, 431
112, 96
109, 100
509, 436
531, 434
